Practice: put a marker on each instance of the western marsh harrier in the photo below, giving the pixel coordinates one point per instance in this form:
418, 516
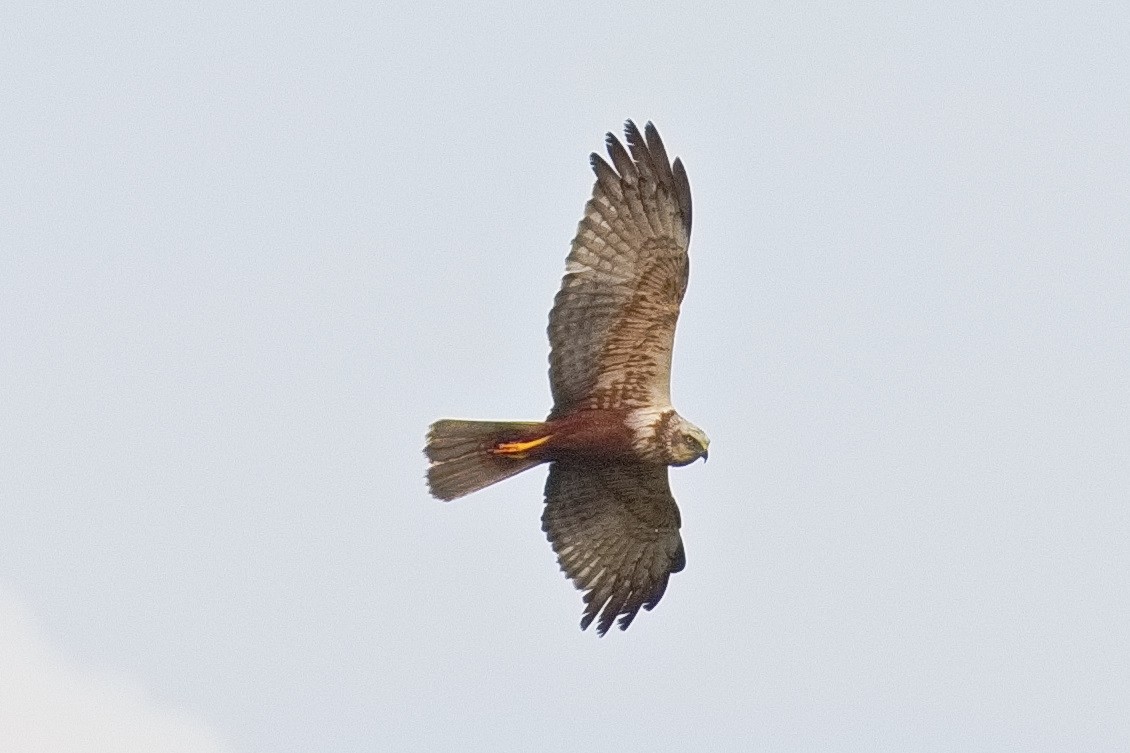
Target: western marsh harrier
609, 512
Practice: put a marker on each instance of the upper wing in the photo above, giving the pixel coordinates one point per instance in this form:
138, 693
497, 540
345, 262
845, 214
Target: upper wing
612, 326
615, 529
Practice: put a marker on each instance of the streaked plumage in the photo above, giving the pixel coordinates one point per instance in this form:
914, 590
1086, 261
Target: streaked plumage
612, 432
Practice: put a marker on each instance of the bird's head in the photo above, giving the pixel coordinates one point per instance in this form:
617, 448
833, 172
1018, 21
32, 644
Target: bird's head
686, 442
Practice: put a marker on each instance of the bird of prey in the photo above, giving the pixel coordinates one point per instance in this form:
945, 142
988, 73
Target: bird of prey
612, 433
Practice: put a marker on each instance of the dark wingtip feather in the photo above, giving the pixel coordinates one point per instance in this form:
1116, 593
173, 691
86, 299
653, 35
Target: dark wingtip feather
597, 604
645, 160
680, 560
683, 191
632, 132
605, 176
658, 154
621, 159
656, 593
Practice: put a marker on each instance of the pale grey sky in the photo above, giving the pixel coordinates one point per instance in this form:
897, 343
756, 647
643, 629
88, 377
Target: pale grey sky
249, 251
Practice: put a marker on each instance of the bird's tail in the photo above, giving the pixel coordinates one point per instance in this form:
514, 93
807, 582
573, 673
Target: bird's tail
465, 456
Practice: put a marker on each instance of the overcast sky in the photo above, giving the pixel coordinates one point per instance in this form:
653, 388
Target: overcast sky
249, 251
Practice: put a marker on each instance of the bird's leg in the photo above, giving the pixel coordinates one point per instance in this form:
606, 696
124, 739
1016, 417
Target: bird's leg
519, 450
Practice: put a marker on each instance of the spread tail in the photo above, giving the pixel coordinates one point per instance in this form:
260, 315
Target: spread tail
465, 456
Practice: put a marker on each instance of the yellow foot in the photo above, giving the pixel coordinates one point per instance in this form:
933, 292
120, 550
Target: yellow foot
519, 450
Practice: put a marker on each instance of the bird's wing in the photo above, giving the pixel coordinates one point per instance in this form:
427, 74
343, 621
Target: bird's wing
612, 326
615, 529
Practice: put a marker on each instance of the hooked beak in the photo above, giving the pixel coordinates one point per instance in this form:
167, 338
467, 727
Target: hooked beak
705, 456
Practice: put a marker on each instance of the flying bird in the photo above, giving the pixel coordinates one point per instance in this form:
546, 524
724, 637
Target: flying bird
609, 512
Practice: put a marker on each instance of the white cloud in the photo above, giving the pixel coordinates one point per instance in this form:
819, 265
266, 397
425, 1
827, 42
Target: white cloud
47, 705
